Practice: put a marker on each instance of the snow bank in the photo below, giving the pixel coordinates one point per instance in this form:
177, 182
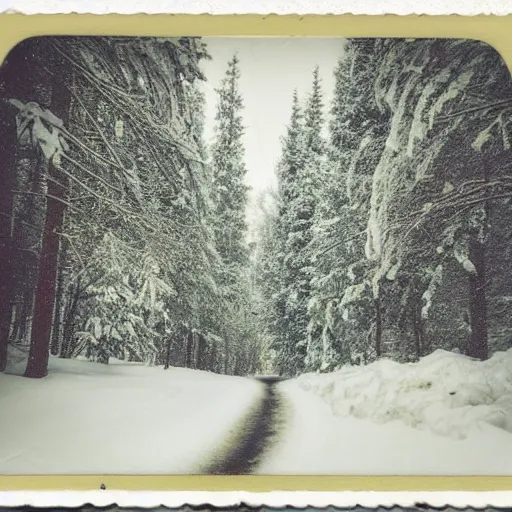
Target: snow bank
88, 418
313, 441
446, 393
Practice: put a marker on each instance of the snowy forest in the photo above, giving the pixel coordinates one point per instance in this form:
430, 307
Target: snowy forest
124, 234
390, 235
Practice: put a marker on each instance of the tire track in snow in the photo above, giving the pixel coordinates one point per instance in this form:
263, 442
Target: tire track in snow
255, 435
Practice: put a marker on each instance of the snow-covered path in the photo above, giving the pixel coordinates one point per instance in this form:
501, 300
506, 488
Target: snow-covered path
87, 418
256, 435
314, 441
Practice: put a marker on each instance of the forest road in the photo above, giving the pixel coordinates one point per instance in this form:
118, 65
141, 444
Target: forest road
255, 434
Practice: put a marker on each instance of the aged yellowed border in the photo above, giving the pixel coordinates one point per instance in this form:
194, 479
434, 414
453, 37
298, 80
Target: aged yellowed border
496, 31
492, 29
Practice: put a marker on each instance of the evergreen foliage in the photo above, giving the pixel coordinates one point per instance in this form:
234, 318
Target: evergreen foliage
398, 220
149, 259
122, 234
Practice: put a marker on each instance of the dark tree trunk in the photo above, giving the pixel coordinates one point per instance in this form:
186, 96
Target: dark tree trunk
58, 316
188, 354
378, 325
201, 346
68, 324
478, 343
21, 79
236, 366
28, 229
227, 356
211, 358
8, 137
195, 359
37, 365
418, 326
102, 355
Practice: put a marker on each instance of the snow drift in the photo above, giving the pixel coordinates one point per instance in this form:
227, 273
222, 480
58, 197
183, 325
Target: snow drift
317, 442
445, 392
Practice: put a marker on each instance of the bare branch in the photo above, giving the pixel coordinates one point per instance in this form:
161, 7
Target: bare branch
27, 192
488, 106
94, 175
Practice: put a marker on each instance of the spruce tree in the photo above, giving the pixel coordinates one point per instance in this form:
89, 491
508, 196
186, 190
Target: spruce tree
230, 200
281, 273
328, 345
229, 170
299, 176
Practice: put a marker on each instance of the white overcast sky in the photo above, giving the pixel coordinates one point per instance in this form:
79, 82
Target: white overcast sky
270, 69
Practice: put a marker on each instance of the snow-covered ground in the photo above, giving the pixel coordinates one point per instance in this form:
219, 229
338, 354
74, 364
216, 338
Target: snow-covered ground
447, 414
117, 418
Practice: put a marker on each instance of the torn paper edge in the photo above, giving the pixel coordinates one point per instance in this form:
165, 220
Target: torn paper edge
262, 7
276, 499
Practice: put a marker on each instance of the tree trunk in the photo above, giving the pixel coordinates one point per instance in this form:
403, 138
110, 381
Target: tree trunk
196, 351
188, 354
57, 188
211, 358
201, 346
58, 319
378, 325
68, 323
8, 136
478, 343
21, 79
168, 352
37, 365
419, 328
227, 356
28, 227
102, 355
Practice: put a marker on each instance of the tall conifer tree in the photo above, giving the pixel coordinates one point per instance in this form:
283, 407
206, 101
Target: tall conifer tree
230, 197
299, 175
229, 170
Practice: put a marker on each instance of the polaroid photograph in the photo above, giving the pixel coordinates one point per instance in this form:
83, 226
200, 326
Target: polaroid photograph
255, 255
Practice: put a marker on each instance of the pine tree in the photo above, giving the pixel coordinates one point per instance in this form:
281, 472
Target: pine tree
299, 175
327, 343
314, 120
275, 280
229, 170
230, 201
